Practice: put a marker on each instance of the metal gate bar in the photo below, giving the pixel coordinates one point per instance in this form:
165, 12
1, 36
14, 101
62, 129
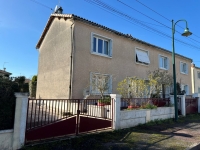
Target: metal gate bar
43, 115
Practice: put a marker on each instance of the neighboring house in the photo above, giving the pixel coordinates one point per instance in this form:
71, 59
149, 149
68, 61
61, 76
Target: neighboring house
73, 51
195, 73
4, 73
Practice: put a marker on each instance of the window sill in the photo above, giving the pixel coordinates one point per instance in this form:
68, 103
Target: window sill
99, 93
184, 73
163, 68
139, 63
101, 55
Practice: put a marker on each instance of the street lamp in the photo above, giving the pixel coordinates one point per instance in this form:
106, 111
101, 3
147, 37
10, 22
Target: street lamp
186, 33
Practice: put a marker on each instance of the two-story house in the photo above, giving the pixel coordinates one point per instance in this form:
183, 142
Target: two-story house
73, 51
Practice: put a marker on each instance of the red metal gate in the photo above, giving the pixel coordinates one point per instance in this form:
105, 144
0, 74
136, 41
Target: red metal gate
191, 105
50, 118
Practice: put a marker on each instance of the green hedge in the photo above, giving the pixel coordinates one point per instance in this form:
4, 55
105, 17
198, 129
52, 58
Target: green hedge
7, 99
7, 103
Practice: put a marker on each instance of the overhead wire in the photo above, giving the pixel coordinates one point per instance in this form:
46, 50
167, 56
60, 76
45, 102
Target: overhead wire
109, 8
154, 19
125, 19
41, 4
160, 15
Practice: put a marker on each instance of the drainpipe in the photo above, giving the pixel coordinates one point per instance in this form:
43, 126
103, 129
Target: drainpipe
194, 78
71, 61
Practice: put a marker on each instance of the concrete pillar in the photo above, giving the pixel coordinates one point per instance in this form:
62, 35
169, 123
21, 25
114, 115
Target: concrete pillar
20, 120
183, 110
116, 110
197, 95
148, 115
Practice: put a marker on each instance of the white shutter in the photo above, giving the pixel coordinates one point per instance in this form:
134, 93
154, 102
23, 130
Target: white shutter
168, 63
111, 48
160, 61
90, 82
165, 62
142, 56
181, 66
186, 68
182, 87
110, 84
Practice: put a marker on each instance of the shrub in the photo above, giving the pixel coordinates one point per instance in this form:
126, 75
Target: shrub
105, 100
148, 106
8, 86
7, 103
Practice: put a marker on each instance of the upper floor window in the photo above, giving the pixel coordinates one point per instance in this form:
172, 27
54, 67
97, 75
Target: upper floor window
142, 56
198, 75
101, 45
163, 62
183, 68
100, 83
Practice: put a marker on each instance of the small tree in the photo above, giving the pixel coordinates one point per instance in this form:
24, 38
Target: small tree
100, 83
134, 87
33, 86
163, 79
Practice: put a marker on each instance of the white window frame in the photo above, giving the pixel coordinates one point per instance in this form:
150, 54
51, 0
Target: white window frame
181, 67
166, 66
145, 57
96, 92
103, 38
198, 74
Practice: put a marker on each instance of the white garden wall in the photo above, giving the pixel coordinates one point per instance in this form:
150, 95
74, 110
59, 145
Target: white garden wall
6, 139
131, 118
14, 139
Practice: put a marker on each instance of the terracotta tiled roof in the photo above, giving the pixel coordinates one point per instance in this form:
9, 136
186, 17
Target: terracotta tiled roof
74, 17
5, 72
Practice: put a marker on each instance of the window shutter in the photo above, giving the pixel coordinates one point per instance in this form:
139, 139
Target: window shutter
110, 84
142, 56
168, 64
92, 43
181, 66
187, 90
160, 61
182, 87
165, 62
186, 68
111, 48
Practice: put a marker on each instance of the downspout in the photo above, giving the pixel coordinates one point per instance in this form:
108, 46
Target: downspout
194, 78
71, 61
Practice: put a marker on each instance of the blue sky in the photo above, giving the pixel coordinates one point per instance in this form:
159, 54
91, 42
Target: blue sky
23, 21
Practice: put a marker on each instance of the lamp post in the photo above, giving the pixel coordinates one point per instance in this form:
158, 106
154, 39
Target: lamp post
186, 33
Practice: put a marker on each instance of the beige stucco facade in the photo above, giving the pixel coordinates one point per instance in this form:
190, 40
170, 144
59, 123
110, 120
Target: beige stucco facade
53, 81
54, 61
195, 71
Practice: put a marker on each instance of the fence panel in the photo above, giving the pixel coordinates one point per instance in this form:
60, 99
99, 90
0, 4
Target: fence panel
191, 105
